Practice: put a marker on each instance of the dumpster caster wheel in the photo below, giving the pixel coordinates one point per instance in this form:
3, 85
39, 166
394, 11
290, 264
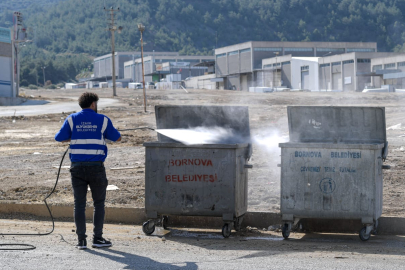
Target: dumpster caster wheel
148, 227
363, 235
285, 231
226, 230
165, 220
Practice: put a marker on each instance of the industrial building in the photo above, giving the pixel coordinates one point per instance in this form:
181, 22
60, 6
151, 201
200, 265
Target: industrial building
343, 72
157, 67
103, 64
350, 71
240, 66
6, 65
314, 66
289, 72
388, 71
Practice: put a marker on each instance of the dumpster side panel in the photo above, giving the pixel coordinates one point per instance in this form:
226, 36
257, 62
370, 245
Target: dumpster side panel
331, 182
241, 184
191, 181
378, 172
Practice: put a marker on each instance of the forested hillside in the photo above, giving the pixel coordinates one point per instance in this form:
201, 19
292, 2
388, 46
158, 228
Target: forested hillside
190, 26
7, 7
74, 27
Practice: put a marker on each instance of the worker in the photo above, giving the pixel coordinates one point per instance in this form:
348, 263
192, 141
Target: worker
87, 131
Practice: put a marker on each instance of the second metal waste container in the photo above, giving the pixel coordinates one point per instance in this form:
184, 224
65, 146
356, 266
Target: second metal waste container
198, 180
332, 166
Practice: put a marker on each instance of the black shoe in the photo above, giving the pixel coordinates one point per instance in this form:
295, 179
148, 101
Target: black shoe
101, 242
82, 244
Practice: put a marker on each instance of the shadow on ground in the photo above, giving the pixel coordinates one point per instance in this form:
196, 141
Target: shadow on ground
133, 261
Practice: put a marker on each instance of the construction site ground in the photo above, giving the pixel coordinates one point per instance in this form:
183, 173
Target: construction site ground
29, 155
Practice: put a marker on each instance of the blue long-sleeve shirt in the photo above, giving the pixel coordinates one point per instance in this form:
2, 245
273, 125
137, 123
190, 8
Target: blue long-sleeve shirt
87, 131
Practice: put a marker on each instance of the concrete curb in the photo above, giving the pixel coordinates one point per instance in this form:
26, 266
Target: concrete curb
387, 225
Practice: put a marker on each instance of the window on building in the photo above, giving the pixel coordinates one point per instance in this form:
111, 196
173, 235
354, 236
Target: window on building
401, 64
360, 50
245, 50
348, 62
267, 66
390, 65
377, 67
233, 53
304, 68
324, 65
363, 60
299, 49
330, 49
221, 55
276, 64
268, 49
286, 63
336, 63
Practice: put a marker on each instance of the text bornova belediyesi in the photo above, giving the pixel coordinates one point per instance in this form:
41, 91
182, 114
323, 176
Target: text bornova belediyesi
318, 154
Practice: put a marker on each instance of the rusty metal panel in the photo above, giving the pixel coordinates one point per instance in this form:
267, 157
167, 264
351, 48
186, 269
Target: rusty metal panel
198, 180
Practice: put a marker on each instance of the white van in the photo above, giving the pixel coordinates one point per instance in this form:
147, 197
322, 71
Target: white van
135, 86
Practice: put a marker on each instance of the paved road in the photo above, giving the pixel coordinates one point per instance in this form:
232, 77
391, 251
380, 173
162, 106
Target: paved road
197, 249
38, 107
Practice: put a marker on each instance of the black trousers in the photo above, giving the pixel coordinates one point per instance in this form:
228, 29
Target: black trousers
95, 177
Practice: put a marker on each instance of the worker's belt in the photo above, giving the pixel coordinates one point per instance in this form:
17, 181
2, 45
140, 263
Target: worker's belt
88, 163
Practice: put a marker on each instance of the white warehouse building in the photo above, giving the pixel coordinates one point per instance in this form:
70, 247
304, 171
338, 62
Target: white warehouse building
290, 72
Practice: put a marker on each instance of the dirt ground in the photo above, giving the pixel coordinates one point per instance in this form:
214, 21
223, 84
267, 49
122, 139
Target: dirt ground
29, 156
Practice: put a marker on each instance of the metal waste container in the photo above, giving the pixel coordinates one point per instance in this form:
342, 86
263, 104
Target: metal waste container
332, 166
200, 179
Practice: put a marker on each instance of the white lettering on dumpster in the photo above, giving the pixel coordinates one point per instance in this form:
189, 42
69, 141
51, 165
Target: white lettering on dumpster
308, 154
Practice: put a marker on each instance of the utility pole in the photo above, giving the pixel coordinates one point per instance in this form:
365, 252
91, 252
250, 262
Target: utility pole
43, 73
19, 36
141, 28
112, 28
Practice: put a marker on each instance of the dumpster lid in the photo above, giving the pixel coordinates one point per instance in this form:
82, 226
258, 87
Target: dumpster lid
337, 124
234, 118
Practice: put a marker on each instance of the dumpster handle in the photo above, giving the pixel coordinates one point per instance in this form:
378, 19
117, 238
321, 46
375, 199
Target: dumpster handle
248, 166
386, 167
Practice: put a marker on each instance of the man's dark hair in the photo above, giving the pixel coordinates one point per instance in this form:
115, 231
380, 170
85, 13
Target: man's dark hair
86, 99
